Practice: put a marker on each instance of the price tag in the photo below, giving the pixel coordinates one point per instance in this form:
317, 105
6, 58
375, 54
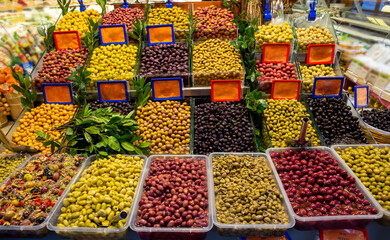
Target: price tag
284, 237
160, 34
225, 90
57, 93
344, 234
361, 96
285, 89
276, 52
320, 54
112, 91
327, 86
167, 88
113, 34
67, 39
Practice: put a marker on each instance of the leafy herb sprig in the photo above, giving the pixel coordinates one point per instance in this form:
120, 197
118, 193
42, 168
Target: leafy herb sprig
29, 95
254, 101
101, 132
81, 79
64, 5
48, 38
143, 90
91, 39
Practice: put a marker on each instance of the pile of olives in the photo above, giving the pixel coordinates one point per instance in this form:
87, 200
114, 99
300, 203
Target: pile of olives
8, 164
175, 15
77, 21
313, 35
123, 108
310, 72
271, 33
378, 118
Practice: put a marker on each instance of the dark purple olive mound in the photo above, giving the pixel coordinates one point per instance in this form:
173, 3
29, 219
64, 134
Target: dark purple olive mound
222, 127
378, 118
336, 122
164, 59
123, 108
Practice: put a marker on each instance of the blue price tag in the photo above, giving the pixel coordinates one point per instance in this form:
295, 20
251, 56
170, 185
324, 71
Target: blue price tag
57, 93
361, 96
327, 86
167, 88
113, 34
160, 34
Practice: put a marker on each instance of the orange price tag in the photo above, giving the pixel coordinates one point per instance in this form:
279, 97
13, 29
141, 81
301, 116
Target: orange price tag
113, 34
267, 238
167, 88
328, 86
361, 96
112, 91
67, 39
275, 52
225, 90
159, 34
285, 89
320, 54
57, 93
344, 234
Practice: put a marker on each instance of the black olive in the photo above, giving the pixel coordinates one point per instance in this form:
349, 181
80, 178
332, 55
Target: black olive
40, 220
35, 190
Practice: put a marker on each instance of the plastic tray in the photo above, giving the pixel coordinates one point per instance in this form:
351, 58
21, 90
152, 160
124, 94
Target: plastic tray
333, 222
385, 220
252, 230
84, 232
151, 233
22, 164
40, 230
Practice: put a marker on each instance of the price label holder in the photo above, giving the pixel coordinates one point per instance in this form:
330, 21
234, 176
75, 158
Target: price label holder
112, 91
320, 54
67, 39
226, 90
113, 34
160, 34
285, 89
345, 234
327, 86
167, 89
276, 52
284, 237
57, 93
361, 96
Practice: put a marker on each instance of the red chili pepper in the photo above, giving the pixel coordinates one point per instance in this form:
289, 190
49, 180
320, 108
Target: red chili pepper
60, 192
21, 203
52, 204
2, 221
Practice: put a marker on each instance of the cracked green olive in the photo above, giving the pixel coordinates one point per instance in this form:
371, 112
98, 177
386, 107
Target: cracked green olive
8, 164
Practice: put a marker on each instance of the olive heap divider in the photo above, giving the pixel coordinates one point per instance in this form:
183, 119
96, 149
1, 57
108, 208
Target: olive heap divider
86, 232
385, 220
331, 222
28, 156
41, 230
252, 230
252, 120
348, 102
171, 233
265, 129
265, 82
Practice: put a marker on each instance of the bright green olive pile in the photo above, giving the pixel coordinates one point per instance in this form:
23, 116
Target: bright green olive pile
271, 33
284, 122
8, 164
310, 72
175, 15
215, 59
105, 189
372, 166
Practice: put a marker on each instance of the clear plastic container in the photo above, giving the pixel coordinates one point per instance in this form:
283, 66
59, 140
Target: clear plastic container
252, 230
22, 164
333, 222
85, 232
385, 220
37, 231
165, 233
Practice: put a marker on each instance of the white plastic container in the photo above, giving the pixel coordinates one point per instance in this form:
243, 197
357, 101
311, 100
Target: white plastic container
333, 222
252, 230
385, 220
165, 233
85, 232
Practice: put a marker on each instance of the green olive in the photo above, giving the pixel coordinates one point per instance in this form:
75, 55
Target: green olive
313, 35
8, 164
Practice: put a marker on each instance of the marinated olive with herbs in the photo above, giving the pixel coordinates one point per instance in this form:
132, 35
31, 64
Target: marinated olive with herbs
371, 165
284, 122
123, 108
8, 164
104, 189
246, 192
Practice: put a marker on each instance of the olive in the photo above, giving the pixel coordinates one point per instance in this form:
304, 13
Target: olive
313, 35
8, 165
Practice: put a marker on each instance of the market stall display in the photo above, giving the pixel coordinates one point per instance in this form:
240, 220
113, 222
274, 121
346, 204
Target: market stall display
112, 62
263, 212
105, 188
377, 118
274, 33
43, 118
166, 125
8, 163
323, 193
284, 121
77, 21
336, 121
177, 16
31, 192
222, 127
215, 59
177, 186
57, 66
214, 22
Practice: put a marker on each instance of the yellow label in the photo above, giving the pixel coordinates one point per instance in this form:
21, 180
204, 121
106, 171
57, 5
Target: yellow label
112, 35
